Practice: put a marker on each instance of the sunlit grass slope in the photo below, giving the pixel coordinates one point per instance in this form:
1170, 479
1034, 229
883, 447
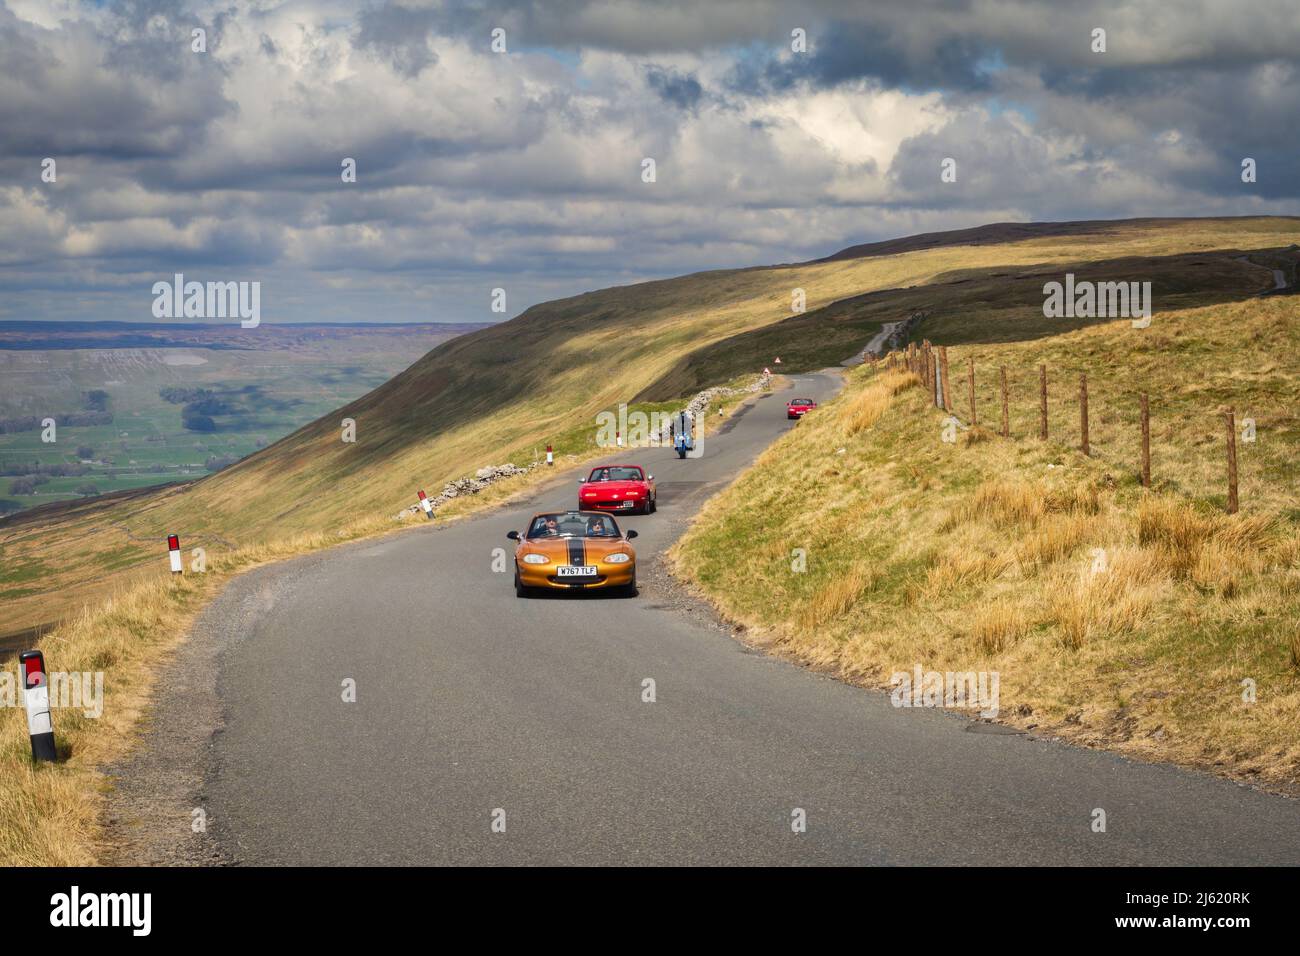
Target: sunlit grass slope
501, 392
1118, 616
915, 543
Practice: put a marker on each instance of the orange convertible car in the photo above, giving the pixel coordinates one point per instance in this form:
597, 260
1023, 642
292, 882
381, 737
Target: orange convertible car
566, 550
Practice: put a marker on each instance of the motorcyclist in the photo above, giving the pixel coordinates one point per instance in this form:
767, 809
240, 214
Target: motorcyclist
681, 437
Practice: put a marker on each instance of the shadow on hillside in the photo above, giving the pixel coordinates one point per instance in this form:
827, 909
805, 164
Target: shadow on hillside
991, 305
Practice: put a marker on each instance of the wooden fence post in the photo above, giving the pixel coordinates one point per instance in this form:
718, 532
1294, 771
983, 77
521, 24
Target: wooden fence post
943, 377
1230, 420
974, 412
935, 400
1042, 402
929, 373
1146, 442
1006, 430
1084, 446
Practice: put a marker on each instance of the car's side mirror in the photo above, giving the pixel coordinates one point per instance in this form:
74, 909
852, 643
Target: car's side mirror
512, 535
582, 481
649, 477
631, 534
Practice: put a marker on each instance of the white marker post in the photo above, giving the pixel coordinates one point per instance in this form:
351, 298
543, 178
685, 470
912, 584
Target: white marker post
424, 503
174, 553
618, 439
36, 697
550, 456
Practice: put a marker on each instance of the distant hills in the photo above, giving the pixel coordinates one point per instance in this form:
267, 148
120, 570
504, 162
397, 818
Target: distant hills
27, 335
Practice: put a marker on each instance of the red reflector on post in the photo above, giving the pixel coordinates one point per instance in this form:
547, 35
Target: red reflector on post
33, 669
36, 699
422, 495
173, 543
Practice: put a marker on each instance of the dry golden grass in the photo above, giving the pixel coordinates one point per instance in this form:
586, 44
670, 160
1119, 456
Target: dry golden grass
518, 385
999, 625
887, 587
1053, 538
837, 596
49, 814
967, 562
1108, 600
1117, 616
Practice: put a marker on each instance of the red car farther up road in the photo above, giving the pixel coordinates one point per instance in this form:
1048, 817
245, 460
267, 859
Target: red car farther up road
623, 488
796, 407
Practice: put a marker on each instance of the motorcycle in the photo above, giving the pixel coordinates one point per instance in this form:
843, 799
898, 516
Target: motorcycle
681, 432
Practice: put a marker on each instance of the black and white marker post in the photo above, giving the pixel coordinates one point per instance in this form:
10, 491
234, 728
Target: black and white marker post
36, 697
174, 553
424, 503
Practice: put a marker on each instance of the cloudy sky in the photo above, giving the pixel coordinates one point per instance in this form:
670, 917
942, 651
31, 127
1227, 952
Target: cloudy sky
524, 169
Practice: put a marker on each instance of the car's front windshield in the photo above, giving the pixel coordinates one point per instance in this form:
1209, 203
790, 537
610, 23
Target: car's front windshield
802, 401
615, 473
573, 525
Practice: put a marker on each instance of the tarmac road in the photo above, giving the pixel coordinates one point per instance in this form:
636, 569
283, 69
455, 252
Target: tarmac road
469, 701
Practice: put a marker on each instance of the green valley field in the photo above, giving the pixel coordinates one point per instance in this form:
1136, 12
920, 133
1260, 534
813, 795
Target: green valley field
238, 393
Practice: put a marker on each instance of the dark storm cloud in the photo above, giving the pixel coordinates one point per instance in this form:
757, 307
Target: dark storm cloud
523, 170
401, 33
846, 52
682, 90
80, 90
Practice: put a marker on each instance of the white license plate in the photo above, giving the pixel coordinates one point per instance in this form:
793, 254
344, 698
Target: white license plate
575, 571
628, 504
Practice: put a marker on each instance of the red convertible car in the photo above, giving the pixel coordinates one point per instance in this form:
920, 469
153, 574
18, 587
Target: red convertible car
796, 407
624, 488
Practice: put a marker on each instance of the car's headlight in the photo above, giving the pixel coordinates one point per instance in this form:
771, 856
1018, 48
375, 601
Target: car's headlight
619, 558
536, 559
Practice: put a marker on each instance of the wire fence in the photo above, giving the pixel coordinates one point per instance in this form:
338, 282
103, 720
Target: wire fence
930, 364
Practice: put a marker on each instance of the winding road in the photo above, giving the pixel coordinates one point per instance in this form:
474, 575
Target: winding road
470, 701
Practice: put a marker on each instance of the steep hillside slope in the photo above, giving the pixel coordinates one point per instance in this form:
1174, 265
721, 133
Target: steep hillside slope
896, 559
503, 392
1145, 620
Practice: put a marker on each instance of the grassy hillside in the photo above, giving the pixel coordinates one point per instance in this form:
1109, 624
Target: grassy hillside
1115, 615
504, 391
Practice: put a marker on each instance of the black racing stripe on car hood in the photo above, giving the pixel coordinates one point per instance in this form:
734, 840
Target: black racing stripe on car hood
577, 551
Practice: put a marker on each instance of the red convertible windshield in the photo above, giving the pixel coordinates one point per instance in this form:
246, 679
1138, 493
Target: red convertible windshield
617, 473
